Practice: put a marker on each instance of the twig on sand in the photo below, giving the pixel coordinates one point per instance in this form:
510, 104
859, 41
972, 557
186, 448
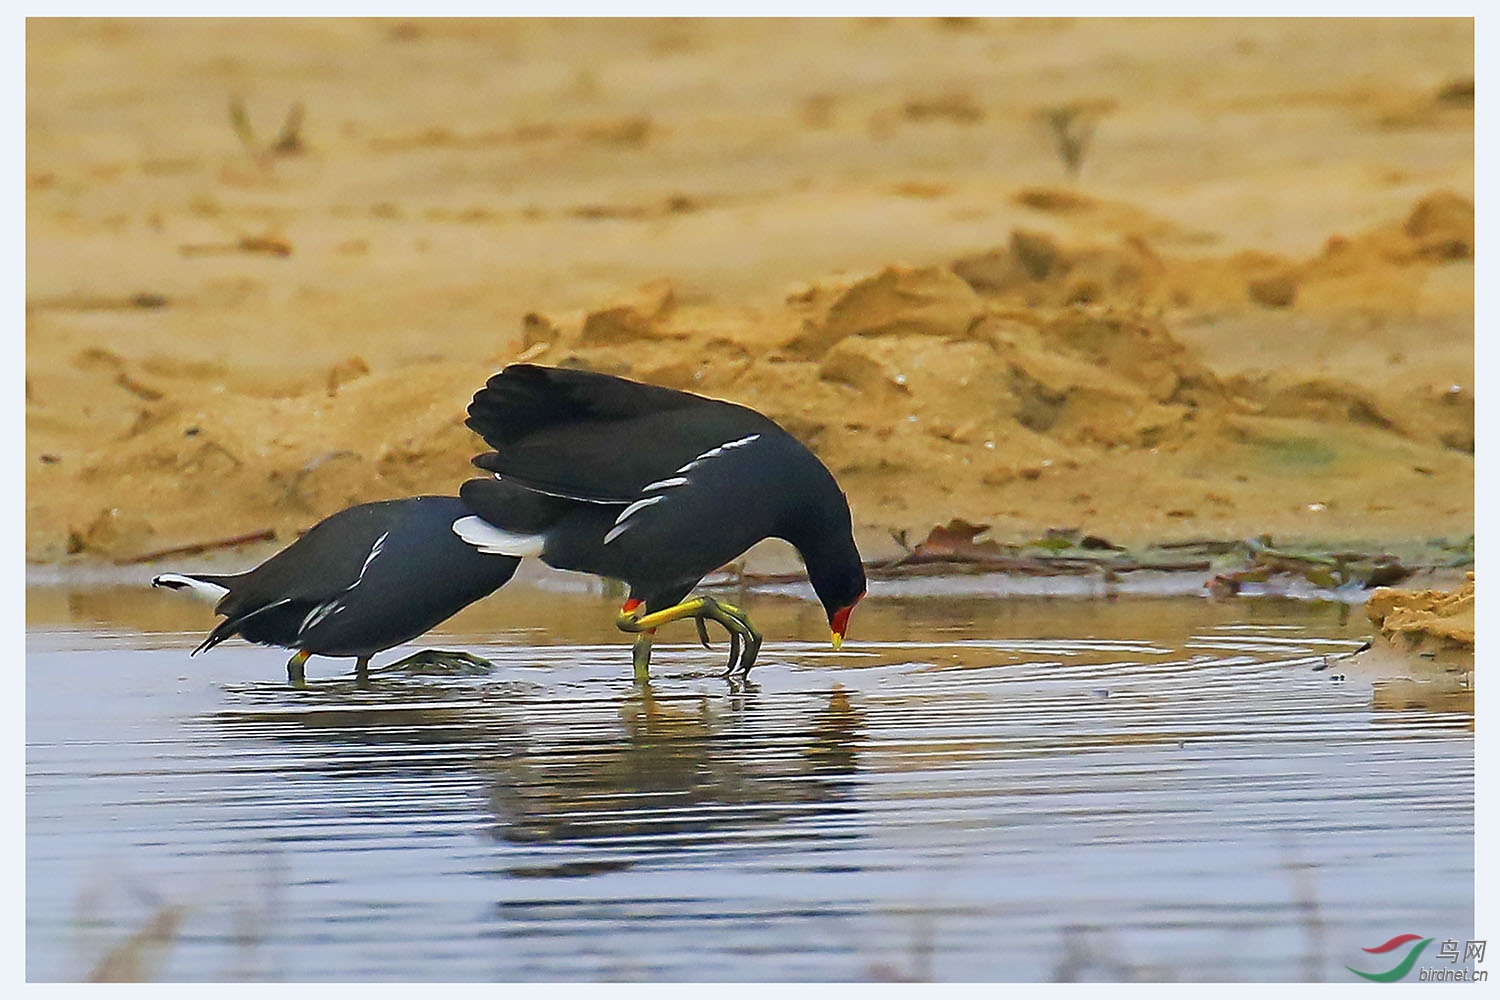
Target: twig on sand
195, 548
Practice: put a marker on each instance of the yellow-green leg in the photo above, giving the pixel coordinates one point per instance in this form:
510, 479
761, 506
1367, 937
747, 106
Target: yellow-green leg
640, 657
362, 672
295, 674
700, 609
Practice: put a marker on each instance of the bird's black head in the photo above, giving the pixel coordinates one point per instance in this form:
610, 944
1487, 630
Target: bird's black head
839, 594
826, 541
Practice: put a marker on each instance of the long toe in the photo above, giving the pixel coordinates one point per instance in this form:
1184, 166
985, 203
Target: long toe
753, 639
742, 628
444, 661
734, 652
752, 650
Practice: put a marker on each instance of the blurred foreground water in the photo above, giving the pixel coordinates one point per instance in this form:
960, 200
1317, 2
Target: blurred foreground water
973, 789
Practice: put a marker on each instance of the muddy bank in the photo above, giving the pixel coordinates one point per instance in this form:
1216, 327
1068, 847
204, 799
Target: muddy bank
1422, 653
261, 297
1432, 624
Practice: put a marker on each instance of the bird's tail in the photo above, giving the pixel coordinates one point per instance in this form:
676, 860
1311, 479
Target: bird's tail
226, 629
207, 587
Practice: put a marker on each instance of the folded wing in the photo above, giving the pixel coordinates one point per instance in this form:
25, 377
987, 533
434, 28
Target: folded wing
592, 438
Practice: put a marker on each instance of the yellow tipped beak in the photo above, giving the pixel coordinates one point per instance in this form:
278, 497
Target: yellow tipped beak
838, 640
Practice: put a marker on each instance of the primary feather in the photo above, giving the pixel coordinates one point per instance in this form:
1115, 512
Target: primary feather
595, 438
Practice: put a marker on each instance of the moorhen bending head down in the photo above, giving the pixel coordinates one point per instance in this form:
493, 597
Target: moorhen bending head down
358, 582
654, 487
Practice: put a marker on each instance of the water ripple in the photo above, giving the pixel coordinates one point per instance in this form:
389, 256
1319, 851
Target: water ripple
1199, 800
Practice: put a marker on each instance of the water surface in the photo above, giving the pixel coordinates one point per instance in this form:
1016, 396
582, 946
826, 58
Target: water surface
973, 788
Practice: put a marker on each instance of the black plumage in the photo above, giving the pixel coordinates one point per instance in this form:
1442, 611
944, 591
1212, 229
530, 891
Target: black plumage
358, 582
654, 487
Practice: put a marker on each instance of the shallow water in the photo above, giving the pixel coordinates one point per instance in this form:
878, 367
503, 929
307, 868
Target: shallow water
1018, 789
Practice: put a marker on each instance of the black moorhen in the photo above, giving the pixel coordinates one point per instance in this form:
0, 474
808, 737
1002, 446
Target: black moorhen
654, 487
358, 582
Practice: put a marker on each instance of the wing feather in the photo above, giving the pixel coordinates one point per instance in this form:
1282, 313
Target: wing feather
595, 438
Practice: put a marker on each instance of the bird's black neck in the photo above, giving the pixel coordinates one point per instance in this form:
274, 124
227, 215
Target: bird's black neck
822, 535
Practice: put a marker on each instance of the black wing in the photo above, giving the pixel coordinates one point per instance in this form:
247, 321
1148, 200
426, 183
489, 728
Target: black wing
317, 566
597, 438
272, 599
270, 623
525, 399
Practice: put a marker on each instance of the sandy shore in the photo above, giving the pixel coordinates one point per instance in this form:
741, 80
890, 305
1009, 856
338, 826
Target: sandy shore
1153, 280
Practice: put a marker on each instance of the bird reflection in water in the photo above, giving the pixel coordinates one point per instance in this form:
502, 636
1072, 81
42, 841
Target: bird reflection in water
835, 733
620, 780
690, 770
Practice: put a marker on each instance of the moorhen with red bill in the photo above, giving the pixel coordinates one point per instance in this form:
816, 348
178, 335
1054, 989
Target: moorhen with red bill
654, 487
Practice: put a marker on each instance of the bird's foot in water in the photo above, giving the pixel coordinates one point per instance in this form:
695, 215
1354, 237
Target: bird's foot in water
443, 661
744, 639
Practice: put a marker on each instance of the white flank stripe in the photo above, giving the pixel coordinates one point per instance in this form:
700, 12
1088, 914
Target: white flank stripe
201, 589
487, 538
374, 551
721, 449
622, 522
635, 507
317, 614
678, 479
737, 443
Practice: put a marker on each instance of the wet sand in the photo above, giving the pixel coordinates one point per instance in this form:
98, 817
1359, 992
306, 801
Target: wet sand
1433, 628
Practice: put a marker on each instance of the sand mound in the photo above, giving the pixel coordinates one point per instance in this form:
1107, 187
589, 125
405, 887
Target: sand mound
1425, 617
931, 392
1370, 269
1422, 656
